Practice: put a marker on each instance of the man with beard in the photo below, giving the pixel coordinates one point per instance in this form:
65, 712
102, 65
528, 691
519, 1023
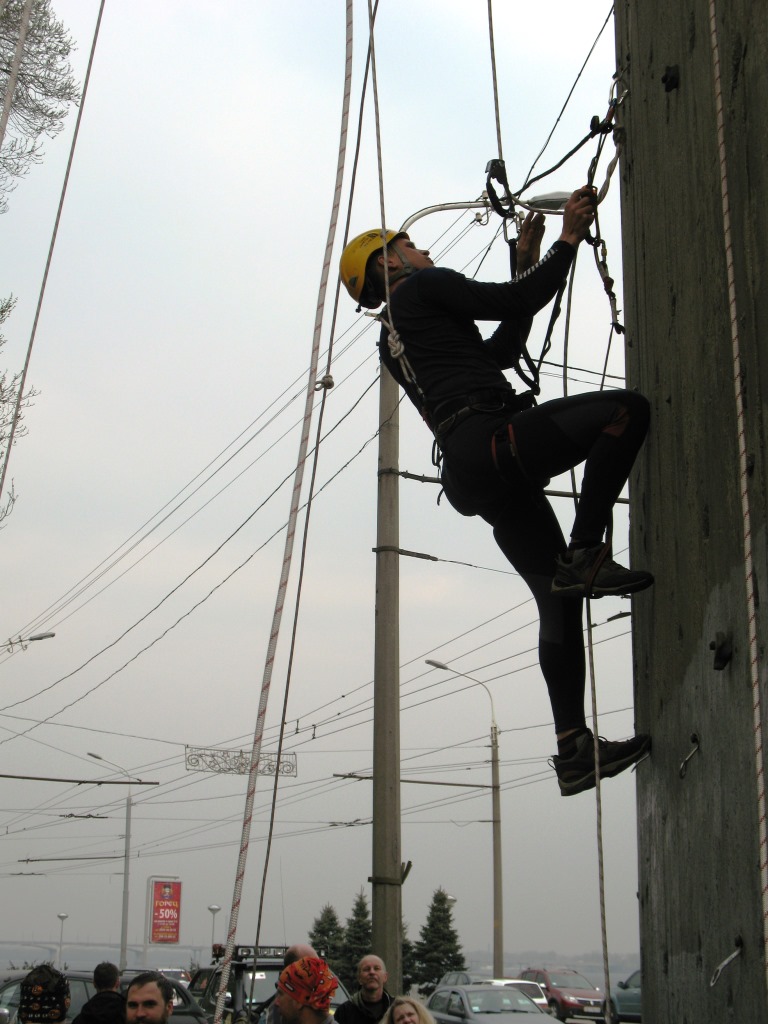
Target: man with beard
149, 999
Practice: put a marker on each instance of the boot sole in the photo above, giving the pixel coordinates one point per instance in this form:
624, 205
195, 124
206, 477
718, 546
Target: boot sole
587, 781
580, 590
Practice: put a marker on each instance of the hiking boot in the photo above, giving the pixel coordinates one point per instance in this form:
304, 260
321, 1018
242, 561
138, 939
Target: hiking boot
574, 568
577, 773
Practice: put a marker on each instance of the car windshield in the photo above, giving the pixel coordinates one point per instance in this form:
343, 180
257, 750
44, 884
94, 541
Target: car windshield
568, 979
531, 988
495, 1000
263, 984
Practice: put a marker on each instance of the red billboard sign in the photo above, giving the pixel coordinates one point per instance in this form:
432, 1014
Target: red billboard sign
166, 912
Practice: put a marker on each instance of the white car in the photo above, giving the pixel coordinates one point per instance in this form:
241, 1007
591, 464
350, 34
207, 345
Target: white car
532, 989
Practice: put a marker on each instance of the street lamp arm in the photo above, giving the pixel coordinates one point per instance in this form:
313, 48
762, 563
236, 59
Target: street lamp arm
447, 668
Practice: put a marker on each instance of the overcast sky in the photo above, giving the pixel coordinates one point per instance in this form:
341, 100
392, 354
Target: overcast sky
174, 340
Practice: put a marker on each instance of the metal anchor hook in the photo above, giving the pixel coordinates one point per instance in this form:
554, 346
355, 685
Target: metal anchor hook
684, 765
729, 959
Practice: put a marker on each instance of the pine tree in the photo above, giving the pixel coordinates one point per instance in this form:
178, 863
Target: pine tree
357, 941
409, 960
437, 949
327, 937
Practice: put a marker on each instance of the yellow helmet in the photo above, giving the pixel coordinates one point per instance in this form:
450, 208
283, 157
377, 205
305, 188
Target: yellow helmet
353, 263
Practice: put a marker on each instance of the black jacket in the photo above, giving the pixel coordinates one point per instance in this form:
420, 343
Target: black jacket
103, 1008
357, 1011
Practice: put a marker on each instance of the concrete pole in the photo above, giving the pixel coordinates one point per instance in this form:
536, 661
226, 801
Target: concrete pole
126, 871
498, 899
387, 925
62, 918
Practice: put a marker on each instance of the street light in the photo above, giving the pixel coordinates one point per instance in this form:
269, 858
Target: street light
126, 864
214, 909
498, 903
62, 917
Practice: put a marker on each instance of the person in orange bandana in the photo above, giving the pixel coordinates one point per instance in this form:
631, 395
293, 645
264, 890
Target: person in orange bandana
304, 991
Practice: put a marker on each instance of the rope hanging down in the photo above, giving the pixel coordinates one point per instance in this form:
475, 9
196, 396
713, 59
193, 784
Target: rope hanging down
290, 535
749, 577
506, 208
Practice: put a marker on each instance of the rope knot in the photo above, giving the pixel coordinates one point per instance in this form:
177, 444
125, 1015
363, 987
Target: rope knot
396, 347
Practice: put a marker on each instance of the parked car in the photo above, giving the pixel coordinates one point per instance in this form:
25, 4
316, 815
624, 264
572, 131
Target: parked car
568, 993
176, 974
472, 1004
625, 999
185, 1008
462, 978
252, 982
533, 990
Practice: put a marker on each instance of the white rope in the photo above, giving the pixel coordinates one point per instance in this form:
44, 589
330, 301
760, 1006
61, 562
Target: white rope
495, 80
744, 480
599, 814
290, 535
593, 695
394, 341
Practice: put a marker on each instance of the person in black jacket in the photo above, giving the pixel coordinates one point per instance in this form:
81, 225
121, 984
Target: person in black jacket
108, 1005
499, 449
369, 1004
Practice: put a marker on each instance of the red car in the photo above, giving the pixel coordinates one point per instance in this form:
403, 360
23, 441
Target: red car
568, 993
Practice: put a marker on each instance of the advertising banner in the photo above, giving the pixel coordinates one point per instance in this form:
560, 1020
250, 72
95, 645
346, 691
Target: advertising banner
166, 912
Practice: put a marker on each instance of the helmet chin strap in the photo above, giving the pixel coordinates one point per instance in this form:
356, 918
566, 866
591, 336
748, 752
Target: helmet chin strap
406, 267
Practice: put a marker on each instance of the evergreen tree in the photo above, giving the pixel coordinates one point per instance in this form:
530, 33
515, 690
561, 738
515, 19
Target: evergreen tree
327, 936
437, 949
357, 942
409, 960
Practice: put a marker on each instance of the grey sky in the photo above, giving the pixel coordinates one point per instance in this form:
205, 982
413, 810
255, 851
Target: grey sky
180, 305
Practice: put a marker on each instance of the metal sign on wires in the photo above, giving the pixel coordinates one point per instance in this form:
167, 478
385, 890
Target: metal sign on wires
237, 762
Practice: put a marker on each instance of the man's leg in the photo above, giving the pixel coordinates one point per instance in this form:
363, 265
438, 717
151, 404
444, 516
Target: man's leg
605, 430
528, 533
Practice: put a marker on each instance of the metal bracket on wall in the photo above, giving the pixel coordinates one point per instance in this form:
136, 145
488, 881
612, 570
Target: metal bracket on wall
723, 648
684, 765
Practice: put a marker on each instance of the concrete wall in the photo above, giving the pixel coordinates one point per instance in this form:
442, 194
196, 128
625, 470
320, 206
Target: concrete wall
699, 839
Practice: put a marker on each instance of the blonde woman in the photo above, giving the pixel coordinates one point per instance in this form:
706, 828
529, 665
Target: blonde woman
405, 1010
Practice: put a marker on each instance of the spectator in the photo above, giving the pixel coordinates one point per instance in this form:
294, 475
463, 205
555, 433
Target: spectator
108, 1005
404, 1010
304, 992
369, 1004
149, 999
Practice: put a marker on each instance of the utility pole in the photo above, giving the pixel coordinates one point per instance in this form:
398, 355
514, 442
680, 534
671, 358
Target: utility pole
695, 251
126, 875
386, 910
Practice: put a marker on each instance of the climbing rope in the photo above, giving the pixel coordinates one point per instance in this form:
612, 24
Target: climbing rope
495, 79
289, 540
749, 579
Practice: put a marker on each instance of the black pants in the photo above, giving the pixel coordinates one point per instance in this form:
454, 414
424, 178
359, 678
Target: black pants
603, 429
